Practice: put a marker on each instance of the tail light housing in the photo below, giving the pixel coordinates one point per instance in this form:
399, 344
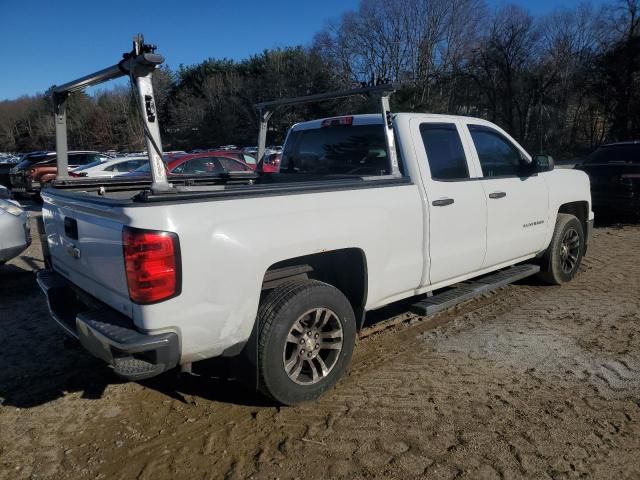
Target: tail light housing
152, 265
337, 121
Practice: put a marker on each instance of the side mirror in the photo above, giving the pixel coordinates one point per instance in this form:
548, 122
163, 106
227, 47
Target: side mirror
543, 163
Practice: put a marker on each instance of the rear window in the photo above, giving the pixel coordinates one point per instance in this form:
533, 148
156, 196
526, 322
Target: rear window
616, 154
358, 150
444, 151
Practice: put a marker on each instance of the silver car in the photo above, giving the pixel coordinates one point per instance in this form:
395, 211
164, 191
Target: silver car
15, 232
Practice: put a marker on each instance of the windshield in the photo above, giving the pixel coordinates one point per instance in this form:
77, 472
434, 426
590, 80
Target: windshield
146, 168
629, 153
358, 150
92, 164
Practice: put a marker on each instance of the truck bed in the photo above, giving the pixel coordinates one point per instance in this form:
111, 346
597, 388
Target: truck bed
122, 192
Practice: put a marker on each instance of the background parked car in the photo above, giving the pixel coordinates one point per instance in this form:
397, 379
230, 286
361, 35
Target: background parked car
614, 171
205, 163
6, 164
40, 168
15, 233
110, 168
271, 162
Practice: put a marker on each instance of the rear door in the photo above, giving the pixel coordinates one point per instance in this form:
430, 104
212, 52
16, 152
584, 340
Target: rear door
457, 209
517, 203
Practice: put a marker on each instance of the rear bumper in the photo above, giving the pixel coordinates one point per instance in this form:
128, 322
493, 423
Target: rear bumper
107, 334
23, 183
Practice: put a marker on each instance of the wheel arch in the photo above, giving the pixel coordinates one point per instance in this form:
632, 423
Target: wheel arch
580, 210
345, 269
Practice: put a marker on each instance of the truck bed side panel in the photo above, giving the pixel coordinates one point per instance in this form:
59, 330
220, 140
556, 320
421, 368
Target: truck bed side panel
228, 245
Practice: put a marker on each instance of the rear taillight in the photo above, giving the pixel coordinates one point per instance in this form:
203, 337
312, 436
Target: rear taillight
152, 264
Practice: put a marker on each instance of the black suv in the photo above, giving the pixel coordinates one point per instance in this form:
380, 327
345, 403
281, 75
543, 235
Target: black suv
614, 171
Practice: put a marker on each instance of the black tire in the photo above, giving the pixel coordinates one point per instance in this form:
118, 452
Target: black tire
555, 264
281, 309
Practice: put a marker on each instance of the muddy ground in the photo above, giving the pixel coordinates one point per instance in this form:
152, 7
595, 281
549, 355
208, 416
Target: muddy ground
529, 382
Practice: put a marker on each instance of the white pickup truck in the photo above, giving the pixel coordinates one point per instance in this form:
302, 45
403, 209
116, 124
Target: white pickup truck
280, 269
289, 263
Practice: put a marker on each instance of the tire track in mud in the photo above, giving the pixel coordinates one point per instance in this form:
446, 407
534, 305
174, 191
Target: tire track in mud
310, 424
502, 386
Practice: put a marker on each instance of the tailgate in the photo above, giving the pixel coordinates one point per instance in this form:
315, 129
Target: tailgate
85, 244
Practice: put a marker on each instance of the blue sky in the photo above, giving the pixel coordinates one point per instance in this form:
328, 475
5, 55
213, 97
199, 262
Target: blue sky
44, 42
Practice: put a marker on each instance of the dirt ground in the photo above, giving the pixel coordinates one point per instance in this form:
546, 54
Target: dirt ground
529, 382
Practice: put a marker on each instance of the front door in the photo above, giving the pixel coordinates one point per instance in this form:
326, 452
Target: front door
517, 203
456, 205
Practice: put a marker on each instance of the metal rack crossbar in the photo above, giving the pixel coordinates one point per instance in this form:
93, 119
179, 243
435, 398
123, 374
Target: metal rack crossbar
138, 65
383, 91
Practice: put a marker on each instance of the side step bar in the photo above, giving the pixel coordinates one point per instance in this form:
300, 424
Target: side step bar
474, 288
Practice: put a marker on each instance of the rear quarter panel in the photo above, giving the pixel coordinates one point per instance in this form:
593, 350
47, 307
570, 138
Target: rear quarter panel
228, 245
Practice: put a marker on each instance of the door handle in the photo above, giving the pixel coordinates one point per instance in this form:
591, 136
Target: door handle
443, 202
497, 195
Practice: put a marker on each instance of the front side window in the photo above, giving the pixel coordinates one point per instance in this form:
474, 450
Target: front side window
358, 150
444, 151
498, 156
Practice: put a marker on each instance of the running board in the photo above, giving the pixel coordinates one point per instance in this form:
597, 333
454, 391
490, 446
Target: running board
474, 288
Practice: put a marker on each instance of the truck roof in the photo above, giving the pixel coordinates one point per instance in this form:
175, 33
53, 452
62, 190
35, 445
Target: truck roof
376, 118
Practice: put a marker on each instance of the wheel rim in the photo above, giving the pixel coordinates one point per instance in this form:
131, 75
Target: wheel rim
313, 346
569, 250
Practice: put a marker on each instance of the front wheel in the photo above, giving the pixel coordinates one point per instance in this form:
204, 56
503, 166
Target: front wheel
564, 255
306, 338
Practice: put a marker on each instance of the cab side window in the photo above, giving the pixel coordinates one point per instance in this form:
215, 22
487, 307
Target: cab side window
498, 156
444, 151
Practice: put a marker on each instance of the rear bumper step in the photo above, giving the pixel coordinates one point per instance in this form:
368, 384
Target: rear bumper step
107, 334
472, 289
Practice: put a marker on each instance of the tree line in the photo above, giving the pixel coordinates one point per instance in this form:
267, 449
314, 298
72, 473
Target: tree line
561, 83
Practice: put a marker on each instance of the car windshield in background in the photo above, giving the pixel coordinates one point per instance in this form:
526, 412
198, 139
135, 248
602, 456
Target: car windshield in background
623, 153
146, 168
90, 165
358, 150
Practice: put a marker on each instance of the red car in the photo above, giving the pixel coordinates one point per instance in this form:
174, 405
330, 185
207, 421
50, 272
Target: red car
271, 163
204, 163
207, 163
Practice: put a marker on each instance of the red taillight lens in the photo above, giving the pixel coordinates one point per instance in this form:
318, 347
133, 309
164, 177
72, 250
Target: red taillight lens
336, 121
152, 263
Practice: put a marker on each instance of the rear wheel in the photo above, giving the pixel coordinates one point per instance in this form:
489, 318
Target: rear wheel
564, 255
307, 334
